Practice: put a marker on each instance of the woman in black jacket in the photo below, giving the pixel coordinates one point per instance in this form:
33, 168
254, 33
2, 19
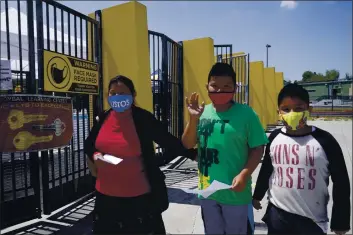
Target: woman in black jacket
130, 196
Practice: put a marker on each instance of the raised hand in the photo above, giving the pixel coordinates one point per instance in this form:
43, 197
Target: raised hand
195, 110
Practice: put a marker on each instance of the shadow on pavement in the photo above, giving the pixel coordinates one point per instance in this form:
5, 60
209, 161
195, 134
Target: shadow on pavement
82, 227
38, 228
177, 195
176, 180
75, 213
78, 217
260, 226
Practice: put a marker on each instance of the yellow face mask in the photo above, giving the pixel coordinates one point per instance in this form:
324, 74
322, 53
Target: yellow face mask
294, 120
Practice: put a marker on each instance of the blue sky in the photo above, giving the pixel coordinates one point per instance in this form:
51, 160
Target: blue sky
304, 35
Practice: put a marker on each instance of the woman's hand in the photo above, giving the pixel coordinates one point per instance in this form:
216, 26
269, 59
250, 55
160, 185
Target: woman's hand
97, 161
195, 110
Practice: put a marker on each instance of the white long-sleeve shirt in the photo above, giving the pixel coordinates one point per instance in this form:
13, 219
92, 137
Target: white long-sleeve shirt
296, 171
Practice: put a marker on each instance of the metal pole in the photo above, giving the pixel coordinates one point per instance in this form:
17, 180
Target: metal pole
267, 46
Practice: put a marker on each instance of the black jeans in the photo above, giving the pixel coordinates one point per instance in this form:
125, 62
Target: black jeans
116, 215
282, 222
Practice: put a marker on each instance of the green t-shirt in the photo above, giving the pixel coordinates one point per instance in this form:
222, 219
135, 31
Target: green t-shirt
224, 139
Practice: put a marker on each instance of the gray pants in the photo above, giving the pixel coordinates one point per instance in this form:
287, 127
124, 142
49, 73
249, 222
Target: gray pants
226, 219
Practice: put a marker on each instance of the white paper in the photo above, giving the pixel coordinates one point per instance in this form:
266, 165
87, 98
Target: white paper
5, 75
110, 159
214, 186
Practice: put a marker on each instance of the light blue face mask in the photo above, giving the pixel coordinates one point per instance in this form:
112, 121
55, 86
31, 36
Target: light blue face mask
120, 103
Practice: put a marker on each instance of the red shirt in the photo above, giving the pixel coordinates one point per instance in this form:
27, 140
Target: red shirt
118, 138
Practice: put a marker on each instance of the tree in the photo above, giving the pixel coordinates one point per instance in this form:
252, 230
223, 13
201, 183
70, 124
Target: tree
332, 75
307, 75
318, 77
348, 76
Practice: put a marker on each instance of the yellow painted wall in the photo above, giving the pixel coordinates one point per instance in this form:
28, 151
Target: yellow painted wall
198, 56
125, 49
279, 82
270, 92
257, 89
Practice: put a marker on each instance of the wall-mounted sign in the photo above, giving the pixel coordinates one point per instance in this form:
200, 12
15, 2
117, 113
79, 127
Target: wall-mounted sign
5, 75
64, 73
34, 122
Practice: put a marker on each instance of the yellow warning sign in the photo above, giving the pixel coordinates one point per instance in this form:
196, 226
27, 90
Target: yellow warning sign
64, 73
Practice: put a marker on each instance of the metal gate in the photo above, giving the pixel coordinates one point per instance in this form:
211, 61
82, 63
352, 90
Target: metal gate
61, 175
166, 62
223, 53
19, 173
65, 174
240, 64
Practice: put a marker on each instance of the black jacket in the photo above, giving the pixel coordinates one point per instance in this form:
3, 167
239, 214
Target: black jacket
149, 130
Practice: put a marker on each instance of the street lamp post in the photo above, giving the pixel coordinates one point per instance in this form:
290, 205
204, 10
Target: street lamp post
267, 46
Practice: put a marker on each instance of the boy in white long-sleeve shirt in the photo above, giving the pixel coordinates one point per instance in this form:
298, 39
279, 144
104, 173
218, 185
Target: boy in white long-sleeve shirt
298, 161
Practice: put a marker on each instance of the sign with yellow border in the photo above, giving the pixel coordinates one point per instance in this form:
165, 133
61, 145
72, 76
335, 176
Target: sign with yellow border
64, 73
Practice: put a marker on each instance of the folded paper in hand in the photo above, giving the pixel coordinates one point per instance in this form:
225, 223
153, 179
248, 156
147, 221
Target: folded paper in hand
110, 159
214, 186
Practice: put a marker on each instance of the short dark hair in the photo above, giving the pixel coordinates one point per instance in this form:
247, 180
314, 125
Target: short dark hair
294, 91
127, 82
222, 69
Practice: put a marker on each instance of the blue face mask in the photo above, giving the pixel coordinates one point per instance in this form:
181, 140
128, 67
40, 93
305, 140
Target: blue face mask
120, 103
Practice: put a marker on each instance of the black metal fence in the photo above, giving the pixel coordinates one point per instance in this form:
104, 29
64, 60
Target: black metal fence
240, 64
166, 58
32, 183
326, 106
19, 173
223, 53
241, 67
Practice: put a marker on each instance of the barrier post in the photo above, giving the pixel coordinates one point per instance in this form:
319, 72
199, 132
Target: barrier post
270, 91
257, 97
279, 82
198, 58
125, 49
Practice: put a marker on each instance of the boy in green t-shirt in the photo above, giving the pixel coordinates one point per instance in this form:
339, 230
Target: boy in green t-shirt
230, 142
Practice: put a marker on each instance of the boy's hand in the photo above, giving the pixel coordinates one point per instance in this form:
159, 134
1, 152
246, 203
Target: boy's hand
195, 110
239, 183
256, 204
340, 232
